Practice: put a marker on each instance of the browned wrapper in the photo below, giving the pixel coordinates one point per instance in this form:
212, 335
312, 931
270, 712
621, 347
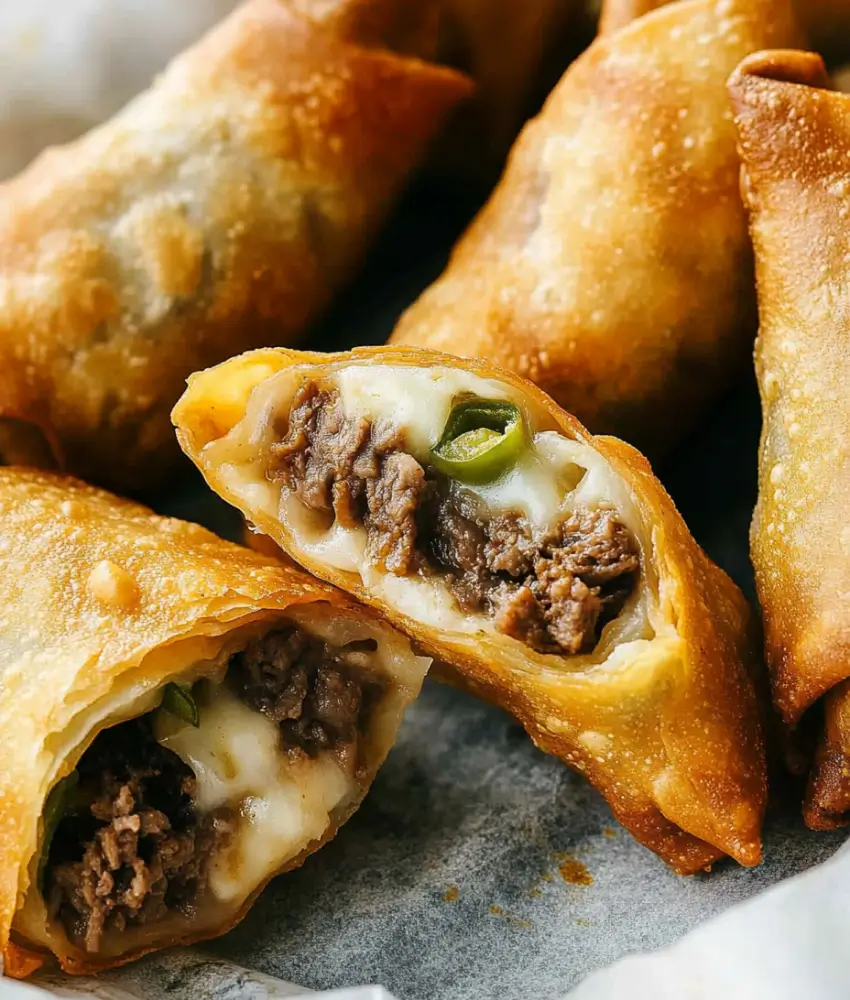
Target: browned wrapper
612, 265
826, 22
795, 146
220, 210
670, 736
104, 603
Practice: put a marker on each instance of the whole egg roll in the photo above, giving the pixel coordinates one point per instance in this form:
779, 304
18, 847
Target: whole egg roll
547, 567
795, 146
612, 265
220, 210
182, 719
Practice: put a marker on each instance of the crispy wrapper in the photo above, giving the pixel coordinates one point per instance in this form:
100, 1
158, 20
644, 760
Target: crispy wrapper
220, 210
612, 266
104, 603
667, 728
795, 144
826, 22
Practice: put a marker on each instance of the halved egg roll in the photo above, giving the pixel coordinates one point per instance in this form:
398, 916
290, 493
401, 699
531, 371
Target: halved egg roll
612, 265
182, 719
547, 567
220, 210
795, 146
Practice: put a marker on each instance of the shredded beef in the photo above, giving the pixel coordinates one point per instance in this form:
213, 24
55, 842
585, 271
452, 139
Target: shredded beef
131, 849
355, 470
554, 591
320, 695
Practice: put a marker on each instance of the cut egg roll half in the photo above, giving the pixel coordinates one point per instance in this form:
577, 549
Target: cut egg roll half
182, 719
547, 567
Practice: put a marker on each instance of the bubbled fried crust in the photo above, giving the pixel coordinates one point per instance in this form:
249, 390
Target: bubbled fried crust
108, 582
795, 146
672, 738
825, 23
219, 211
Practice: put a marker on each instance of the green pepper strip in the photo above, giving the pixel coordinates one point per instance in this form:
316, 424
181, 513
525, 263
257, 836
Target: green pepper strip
54, 809
482, 440
179, 702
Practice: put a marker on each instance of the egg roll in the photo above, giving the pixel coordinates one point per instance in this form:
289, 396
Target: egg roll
795, 147
182, 719
548, 568
218, 211
611, 266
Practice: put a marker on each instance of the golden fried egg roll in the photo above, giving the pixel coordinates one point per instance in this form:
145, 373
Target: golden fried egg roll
795, 146
548, 567
612, 266
220, 210
182, 719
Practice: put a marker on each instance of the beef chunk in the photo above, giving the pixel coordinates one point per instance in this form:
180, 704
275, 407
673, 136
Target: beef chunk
554, 592
352, 469
131, 851
317, 455
312, 689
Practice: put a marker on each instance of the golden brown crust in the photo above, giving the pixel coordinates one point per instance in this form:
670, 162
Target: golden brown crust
612, 266
218, 211
795, 145
682, 763
72, 639
826, 23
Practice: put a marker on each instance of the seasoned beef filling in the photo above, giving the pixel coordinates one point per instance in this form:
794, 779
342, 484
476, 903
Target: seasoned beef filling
554, 591
130, 850
356, 471
320, 695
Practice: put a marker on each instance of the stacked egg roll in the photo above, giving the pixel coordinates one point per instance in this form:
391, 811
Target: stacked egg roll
612, 265
182, 719
220, 210
548, 568
795, 146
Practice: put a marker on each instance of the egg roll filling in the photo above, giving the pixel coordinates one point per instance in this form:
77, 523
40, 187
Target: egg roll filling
552, 581
149, 824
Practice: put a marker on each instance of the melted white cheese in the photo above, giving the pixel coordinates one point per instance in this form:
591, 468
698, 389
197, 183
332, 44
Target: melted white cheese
284, 803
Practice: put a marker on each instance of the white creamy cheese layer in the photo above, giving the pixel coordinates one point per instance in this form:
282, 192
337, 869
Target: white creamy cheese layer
284, 803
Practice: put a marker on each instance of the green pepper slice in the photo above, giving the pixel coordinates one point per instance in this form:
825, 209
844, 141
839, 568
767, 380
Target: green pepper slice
482, 440
179, 702
54, 809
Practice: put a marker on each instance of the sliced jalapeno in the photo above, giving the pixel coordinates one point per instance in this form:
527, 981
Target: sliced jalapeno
54, 809
178, 701
482, 439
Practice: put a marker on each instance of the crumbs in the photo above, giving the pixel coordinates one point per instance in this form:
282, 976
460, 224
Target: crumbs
573, 871
451, 894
